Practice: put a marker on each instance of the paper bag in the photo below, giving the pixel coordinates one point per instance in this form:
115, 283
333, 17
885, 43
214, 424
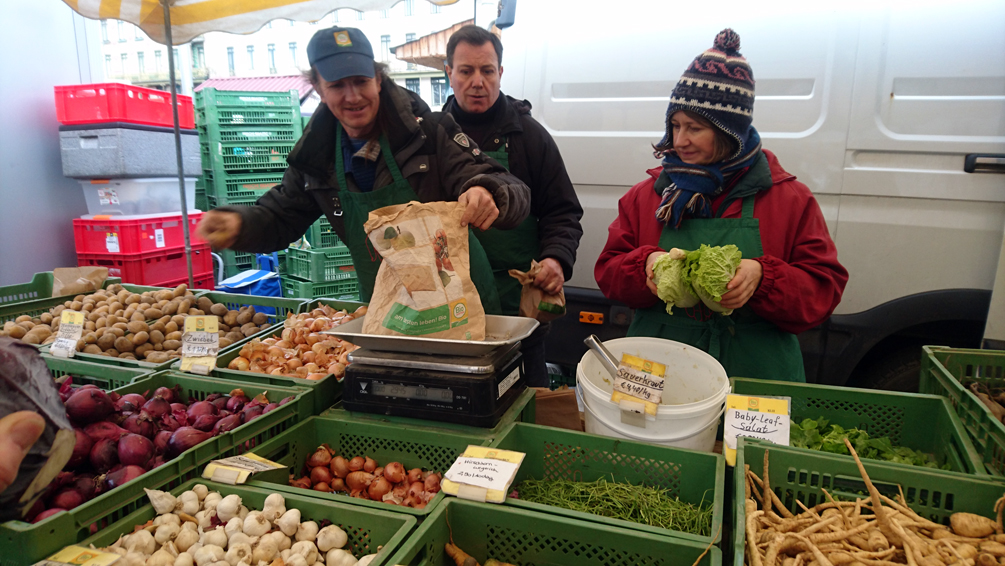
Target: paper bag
77, 280
557, 408
423, 286
534, 302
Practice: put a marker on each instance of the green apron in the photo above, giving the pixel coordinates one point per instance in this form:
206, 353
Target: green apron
745, 344
509, 249
356, 209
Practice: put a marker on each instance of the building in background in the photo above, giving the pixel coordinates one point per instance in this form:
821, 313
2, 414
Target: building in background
280, 49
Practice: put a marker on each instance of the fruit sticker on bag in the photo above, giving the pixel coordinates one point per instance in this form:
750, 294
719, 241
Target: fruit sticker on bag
423, 285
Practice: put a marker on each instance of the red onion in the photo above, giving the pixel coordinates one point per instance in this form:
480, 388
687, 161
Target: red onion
104, 454
135, 450
65, 390
179, 407
220, 402
126, 474
130, 402
87, 386
140, 423
205, 423
169, 395
226, 424
236, 402
184, 438
199, 408
157, 461
270, 407
157, 407
81, 449
252, 413
89, 405
161, 440
86, 485
174, 421
104, 430
286, 400
68, 499
46, 514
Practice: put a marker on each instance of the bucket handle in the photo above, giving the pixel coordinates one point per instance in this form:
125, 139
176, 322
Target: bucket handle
582, 399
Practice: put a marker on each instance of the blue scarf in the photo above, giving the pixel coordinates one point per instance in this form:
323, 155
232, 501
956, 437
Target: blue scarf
692, 187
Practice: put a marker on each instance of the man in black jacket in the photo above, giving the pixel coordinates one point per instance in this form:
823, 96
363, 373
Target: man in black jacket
504, 130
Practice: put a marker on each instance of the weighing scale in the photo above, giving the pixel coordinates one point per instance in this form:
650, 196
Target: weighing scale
466, 390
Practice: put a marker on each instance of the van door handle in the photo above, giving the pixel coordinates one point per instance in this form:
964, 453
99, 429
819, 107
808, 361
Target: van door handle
984, 163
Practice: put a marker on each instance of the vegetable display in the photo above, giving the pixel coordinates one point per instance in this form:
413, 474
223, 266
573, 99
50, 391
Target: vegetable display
363, 477
992, 397
637, 503
204, 528
119, 438
875, 531
301, 350
137, 326
821, 435
683, 277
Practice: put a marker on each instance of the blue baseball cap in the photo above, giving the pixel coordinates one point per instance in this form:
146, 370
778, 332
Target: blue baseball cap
338, 53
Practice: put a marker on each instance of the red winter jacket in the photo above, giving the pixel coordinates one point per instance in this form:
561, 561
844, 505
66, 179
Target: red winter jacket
802, 281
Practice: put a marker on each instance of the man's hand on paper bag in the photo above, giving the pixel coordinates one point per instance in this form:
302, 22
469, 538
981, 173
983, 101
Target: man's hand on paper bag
219, 228
551, 277
480, 208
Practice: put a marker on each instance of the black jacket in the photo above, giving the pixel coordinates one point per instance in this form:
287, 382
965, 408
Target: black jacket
427, 149
534, 158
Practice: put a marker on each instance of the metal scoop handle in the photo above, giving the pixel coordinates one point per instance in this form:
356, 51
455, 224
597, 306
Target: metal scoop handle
606, 359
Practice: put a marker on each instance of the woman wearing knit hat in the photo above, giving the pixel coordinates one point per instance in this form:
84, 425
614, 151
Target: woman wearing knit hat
717, 186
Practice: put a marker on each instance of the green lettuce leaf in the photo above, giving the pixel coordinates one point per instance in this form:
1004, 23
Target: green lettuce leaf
670, 285
716, 267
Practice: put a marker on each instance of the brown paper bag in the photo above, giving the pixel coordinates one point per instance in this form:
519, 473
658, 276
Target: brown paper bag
77, 280
535, 303
557, 408
423, 285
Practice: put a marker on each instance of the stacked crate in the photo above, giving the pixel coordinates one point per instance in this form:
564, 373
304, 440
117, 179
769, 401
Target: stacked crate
244, 138
325, 270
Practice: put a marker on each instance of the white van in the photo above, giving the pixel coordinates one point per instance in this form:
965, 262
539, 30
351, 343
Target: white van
893, 113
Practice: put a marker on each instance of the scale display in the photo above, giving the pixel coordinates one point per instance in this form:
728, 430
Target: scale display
413, 392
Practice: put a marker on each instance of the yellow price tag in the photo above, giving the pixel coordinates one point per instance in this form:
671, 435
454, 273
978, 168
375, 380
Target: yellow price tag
71, 328
200, 343
766, 418
71, 317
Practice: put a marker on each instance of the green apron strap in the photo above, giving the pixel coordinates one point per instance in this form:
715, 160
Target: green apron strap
748, 207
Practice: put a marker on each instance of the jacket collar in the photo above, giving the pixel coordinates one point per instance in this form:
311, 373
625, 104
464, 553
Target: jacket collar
314, 153
507, 120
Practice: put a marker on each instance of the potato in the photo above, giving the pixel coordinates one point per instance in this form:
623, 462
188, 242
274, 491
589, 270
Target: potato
88, 326
124, 344
224, 342
116, 331
137, 326
129, 312
58, 310
195, 312
113, 288
223, 327
101, 322
22, 318
180, 290
179, 319
234, 336
142, 307
170, 327
138, 317
217, 309
121, 325
164, 295
106, 340
249, 329
157, 326
133, 299
94, 317
140, 338
172, 344
100, 310
142, 350
159, 347
127, 356
230, 319
30, 338
176, 335
75, 305
245, 316
115, 306
45, 318
27, 325
147, 299
184, 305
153, 313
88, 307
92, 349
261, 319
112, 353
156, 336
90, 338
171, 307
204, 304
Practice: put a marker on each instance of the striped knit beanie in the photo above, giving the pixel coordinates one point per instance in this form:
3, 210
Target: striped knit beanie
719, 86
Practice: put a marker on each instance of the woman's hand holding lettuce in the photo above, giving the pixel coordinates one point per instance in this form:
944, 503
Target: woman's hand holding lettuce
682, 277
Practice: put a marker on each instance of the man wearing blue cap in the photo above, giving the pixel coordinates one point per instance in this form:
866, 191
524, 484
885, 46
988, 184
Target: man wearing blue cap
372, 144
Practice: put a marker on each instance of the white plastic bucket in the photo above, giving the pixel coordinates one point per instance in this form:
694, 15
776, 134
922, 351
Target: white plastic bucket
694, 394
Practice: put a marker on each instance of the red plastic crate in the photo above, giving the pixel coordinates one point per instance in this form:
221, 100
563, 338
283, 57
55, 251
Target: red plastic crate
151, 268
116, 102
115, 235
201, 280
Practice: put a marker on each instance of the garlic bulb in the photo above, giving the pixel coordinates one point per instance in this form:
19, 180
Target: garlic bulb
275, 506
189, 502
166, 533
339, 557
167, 518
209, 554
308, 530
185, 539
238, 553
306, 549
200, 490
184, 559
331, 537
215, 537
162, 501
256, 525
289, 522
229, 508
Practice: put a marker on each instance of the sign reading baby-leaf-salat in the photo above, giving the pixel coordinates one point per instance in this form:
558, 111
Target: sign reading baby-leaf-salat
766, 418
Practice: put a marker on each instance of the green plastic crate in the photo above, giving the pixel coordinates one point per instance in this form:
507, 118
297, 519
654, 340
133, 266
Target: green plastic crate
799, 475
367, 529
35, 298
523, 410
215, 132
297, 288
427, 449
517, 536
326, 391
209, 99
321, 265
40, 287
235, 262
880, 413
942, 372
245, 157
101, 375
694, 477
200, 195
25, 543
239, 188
322, 235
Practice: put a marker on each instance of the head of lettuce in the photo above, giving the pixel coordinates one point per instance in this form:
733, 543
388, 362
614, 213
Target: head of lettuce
683, 278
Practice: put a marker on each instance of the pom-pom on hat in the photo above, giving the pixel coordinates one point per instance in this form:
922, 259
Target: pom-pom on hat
719, 86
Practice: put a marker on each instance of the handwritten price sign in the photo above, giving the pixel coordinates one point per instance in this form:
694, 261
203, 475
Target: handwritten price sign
766, 418
482, 472
199, 344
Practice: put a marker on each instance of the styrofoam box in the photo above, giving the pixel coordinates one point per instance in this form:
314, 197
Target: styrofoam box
158, 195
119, 150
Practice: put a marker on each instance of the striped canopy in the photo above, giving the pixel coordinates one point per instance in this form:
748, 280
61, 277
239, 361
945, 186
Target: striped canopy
191, 18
